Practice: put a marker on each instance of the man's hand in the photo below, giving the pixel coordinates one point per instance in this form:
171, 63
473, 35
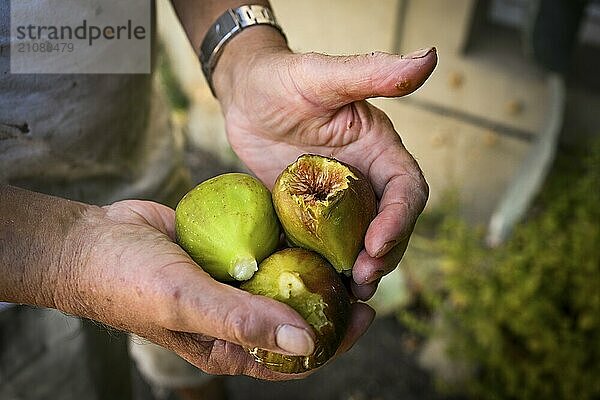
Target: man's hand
120, 265
279, 105
131, 275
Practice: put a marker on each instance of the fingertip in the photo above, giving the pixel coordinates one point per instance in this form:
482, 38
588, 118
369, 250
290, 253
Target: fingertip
366, 291
368, 269
364, 267
384, 231
425, 61
289, 333
413, 70
429, 57
364, 314
362, 317
294, 340
394, 224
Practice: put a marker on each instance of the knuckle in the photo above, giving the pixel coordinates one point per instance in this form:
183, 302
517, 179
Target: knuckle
423, 189
420, 187
238, 322
423, 195
170, 312
402, 205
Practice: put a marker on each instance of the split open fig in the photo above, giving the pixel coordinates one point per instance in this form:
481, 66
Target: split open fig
326, 206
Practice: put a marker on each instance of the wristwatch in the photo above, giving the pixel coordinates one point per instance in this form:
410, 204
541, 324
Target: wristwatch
229, 24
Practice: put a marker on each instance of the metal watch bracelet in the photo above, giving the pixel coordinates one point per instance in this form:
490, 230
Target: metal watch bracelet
229, 24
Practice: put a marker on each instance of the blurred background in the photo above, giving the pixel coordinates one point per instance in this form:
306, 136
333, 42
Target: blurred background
498, 295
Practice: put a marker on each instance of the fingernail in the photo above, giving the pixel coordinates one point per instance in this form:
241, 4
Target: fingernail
387, 246
294, 340
419, 53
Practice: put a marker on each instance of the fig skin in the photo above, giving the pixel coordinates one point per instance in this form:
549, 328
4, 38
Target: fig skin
308, 283
326, 206
228, 225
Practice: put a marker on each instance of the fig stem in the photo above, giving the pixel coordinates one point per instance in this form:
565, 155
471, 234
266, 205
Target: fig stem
244, 268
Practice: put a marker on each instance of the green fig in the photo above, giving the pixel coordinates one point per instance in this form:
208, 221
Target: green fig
326, 206
227, 224
306, 282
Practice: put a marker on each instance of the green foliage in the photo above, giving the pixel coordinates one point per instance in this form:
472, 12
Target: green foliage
527, 315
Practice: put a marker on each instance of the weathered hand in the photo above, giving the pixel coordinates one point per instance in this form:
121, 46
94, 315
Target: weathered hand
278, 105
130, 274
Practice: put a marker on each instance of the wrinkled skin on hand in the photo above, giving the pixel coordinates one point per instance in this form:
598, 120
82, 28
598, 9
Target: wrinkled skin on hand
278, 106
287, 104
132, 275
126, 270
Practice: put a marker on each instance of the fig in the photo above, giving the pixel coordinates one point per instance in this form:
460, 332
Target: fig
308, 283
227, 224
326, 206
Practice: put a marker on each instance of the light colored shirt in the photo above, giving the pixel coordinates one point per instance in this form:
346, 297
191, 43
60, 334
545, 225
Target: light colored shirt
92, 138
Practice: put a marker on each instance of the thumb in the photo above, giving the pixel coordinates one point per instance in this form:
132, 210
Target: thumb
202, 305
334, 81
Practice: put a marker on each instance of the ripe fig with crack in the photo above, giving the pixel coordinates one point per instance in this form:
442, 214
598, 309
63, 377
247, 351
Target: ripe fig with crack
326, 206
308, 283
228, 225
